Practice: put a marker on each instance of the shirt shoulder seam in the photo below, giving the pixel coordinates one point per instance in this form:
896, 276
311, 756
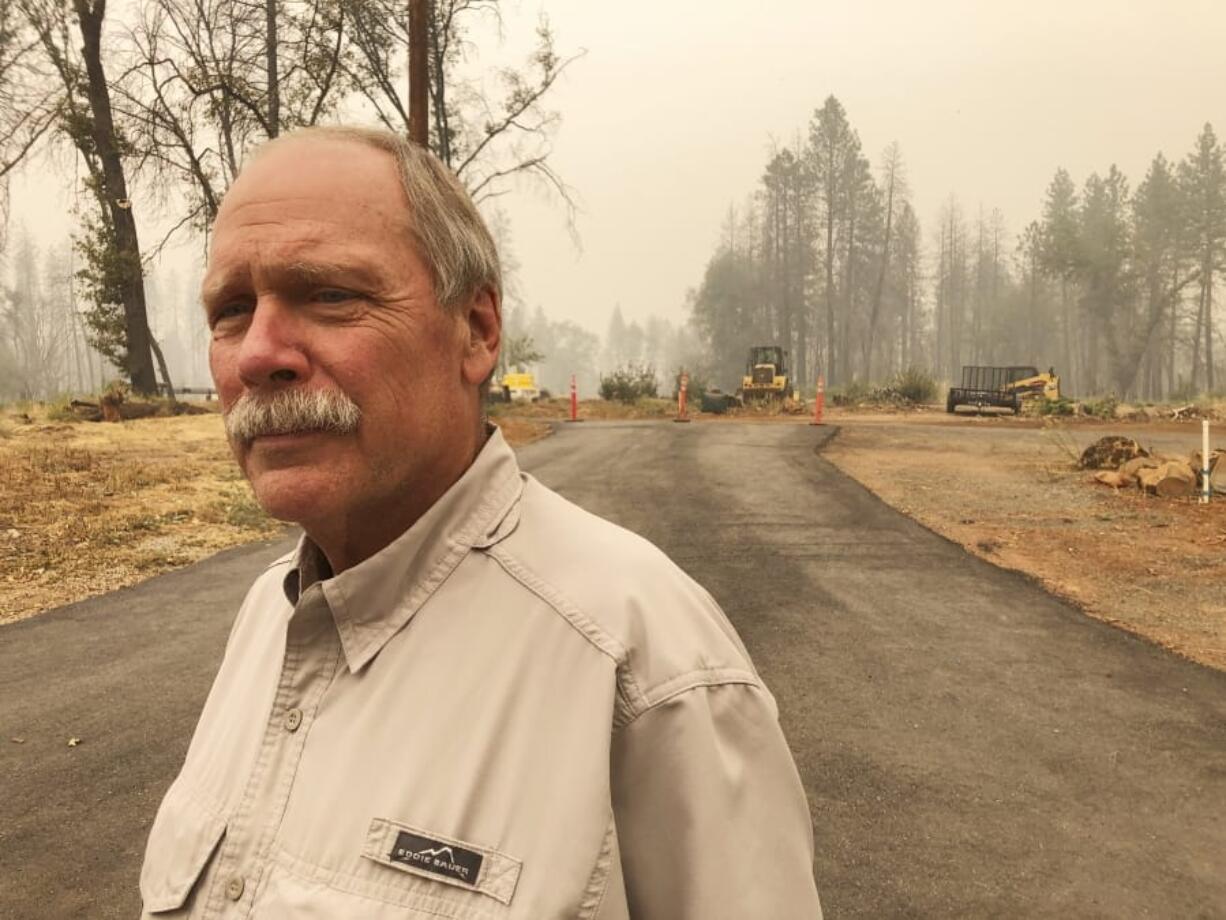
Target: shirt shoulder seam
695, 679
627, 687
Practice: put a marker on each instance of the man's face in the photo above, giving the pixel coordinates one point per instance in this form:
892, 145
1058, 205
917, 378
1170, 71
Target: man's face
313, 284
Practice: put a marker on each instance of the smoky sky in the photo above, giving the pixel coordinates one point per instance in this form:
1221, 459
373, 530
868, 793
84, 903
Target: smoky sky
670, 115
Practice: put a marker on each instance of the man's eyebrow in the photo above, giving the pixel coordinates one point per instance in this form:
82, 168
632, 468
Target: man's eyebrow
299, 271
321, 271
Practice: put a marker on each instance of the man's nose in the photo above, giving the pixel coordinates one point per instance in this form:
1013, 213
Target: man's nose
272, 349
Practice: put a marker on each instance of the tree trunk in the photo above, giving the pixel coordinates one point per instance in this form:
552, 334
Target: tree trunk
801, 243
1172, 330
1196, 337
832, 376
274, 78
419, 18
1067, 329
849, 294
1210, 384
115, 191
161, 359
880, 287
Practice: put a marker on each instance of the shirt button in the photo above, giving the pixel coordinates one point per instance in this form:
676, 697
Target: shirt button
293, 719
234, 888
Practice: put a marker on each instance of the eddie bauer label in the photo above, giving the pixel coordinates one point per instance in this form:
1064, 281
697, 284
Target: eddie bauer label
437, 857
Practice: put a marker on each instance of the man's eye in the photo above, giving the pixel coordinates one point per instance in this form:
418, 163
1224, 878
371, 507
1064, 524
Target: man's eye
228, 312
334, 295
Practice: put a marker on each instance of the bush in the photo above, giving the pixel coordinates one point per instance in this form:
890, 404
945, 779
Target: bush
852, 394
915, 385
629, 383
1061, 406
1101, 408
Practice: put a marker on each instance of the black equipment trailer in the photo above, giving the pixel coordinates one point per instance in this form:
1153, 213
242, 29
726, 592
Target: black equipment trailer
989, 386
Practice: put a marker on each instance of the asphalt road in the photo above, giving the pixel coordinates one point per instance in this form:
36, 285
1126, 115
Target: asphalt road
971, 746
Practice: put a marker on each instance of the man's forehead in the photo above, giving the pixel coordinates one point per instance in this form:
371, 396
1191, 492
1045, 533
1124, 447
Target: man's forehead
315, 179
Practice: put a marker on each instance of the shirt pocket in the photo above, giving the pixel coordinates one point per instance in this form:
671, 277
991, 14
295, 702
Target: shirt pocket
442, 859
183, 839
403, 873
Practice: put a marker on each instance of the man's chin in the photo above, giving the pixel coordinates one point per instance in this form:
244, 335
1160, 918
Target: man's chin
295, 495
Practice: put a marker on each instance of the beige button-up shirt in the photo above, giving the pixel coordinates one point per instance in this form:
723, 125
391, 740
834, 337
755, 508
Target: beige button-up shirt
515, 710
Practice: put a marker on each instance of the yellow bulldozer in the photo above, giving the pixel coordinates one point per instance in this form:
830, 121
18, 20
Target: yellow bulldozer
766, 375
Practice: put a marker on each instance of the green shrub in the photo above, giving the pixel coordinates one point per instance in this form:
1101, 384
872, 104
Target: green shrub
629, 383
915, 385
1061, 406
1101, 408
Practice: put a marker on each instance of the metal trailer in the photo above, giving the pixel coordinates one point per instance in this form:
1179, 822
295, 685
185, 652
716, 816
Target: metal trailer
989, 386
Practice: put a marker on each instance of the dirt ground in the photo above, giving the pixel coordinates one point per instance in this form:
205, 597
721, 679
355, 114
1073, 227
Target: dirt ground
86, 508
1008, 490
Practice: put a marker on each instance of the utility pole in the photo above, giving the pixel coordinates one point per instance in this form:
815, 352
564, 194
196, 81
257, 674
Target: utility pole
419, 17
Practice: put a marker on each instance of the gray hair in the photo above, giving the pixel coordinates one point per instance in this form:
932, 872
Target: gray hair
450, 233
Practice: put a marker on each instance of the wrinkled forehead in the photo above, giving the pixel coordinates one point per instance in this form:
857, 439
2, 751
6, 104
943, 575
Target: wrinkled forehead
343, 181
311, 203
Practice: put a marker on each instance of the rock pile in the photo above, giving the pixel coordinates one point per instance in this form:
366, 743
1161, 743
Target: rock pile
1122, 463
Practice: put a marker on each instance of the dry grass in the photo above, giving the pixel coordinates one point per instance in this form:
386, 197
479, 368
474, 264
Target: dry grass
520, 431
86, 508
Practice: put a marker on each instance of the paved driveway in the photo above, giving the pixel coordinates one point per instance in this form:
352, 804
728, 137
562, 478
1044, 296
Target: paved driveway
971, 746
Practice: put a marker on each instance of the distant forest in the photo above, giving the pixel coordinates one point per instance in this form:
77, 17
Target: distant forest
1114, 287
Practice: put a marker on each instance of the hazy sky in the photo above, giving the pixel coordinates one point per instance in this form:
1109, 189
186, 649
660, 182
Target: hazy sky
671, 114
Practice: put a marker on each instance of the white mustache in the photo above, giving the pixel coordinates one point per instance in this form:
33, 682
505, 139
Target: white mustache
289, 412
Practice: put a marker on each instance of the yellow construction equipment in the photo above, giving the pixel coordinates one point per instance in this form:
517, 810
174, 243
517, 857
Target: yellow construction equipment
1007, 387
520, 388
1046, 385
766, 375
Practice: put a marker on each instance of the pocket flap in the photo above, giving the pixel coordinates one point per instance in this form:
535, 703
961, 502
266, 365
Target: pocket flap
183, 837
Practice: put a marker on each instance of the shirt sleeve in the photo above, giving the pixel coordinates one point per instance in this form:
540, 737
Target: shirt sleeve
711, 816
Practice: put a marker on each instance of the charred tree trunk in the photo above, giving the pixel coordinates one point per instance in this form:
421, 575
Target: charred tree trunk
832, 376
1196, 338
115, 192
1210, 384
161, 359
879, 289
274, 78
419, 18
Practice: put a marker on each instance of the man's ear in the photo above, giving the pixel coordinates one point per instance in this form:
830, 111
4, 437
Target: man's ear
482, 319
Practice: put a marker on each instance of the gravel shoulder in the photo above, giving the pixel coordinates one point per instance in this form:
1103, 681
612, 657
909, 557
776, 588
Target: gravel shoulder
1009, 492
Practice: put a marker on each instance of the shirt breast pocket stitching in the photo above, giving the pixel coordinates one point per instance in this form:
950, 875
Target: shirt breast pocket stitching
184, 837
422, 897
498, 882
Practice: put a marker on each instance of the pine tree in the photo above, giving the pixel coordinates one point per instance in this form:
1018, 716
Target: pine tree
1202, 177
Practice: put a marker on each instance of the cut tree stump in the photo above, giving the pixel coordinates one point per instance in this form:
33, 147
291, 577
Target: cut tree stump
1171, 480
1136, 464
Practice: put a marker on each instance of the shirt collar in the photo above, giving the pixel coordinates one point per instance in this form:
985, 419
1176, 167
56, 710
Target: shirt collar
374, 599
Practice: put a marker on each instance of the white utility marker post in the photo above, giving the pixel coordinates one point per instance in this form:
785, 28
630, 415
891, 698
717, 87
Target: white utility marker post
1204, 462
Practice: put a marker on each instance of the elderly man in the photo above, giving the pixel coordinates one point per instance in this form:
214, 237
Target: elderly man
461, 696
